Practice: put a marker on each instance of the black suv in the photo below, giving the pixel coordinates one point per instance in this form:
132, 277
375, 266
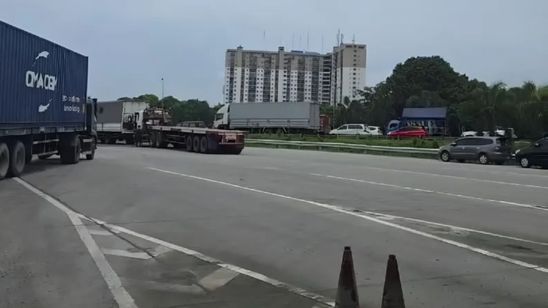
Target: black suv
534, 155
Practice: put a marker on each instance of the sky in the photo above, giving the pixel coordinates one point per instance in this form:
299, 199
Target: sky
133, 44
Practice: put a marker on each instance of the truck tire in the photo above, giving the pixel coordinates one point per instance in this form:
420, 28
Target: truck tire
91, 156
188, 143
70, 150
4, 160
196, 144
203, 144
17, 158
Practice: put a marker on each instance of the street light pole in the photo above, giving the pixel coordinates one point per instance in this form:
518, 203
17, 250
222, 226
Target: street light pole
162, 87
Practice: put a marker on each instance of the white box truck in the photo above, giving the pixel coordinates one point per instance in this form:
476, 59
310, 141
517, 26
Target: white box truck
116, 120
262, 117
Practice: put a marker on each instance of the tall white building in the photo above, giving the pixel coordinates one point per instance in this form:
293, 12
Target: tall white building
294, 76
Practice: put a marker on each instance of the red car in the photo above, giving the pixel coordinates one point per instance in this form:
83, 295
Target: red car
408, 132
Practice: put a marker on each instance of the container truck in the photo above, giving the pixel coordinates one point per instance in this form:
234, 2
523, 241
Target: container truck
115, 120
158, 131
263, 117
44, 108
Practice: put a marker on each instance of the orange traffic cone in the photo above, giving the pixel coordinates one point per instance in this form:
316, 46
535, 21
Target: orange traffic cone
347, 291
392, 295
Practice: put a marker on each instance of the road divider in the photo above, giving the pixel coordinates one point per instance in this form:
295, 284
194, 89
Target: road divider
345, 147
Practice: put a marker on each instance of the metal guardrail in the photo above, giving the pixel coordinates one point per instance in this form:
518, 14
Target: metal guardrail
422, 152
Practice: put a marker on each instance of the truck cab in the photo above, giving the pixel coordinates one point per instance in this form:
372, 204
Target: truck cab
221, 117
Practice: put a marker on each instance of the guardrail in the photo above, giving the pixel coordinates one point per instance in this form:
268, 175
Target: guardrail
346, 147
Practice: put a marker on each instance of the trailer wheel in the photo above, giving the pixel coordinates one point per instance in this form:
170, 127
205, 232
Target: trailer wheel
196, 144
188, 143
203, 144
4, 160
17, 159
70, 150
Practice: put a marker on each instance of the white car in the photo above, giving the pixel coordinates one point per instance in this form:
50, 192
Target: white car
356, 129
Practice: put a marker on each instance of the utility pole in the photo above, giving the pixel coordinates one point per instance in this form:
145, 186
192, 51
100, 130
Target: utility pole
162, 87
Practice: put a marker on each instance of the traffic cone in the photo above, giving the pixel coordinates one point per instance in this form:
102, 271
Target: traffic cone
347, 291
392, 295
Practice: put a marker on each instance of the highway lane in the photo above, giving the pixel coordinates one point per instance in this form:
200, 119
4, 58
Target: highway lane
272, 211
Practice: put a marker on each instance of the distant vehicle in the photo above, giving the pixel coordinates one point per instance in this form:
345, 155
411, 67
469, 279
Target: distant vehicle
44, 109
534, 155
393, 125
263, 117
350, 129
482, 149
115, 120
374, 130
498, 132
408, 132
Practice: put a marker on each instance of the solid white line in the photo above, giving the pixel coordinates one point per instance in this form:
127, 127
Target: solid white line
389, 216
99, 232
243, 271
121, 296
366, 217
455, 177
218, 278
166, 287
505, 203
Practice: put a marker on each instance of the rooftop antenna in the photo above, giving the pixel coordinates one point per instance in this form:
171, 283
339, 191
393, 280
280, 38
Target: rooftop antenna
307, 41
300, 41
264, 35
293, 41
338, 37
353, 38
342, 38
322, 42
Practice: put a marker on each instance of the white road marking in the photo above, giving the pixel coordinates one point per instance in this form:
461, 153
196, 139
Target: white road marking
218, 278
453, 227
455, 177
282, 285
505, 203
346, 211
124, 253
121, 296
166, 287
99, 232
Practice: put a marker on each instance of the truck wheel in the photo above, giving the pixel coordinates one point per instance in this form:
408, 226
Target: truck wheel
196, 144
17, 159
188, 143
91, 156
203, 144
70, 150
4, 160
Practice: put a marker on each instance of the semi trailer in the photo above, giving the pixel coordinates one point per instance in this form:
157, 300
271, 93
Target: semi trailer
44, 109
158, 131
115, 120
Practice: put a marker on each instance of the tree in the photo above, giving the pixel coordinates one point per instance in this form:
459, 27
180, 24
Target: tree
151, 99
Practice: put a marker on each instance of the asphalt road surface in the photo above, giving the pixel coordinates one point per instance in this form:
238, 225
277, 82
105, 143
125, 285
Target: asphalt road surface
143, 227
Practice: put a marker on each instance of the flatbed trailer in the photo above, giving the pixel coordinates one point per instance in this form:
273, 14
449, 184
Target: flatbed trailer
193, 139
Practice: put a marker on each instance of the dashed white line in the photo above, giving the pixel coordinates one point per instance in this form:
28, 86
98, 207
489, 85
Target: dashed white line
218, 278
505, 203
121, 296
350, 212
456, 177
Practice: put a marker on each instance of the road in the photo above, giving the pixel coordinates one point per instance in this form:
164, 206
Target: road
163, 228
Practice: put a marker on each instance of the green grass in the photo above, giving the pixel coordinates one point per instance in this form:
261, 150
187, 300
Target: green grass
367, 140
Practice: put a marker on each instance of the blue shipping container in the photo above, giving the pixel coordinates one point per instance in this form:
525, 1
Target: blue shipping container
42, 85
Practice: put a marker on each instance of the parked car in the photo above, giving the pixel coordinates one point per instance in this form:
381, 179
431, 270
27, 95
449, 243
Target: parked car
408, 132
483, 149
534, 155
350, 129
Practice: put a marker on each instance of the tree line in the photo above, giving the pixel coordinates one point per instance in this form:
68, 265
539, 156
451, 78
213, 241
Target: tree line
471, 104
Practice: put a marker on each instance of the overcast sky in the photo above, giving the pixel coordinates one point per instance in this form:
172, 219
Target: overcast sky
132, 44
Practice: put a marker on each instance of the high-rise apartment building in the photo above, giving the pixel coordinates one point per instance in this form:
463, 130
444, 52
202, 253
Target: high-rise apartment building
294, 76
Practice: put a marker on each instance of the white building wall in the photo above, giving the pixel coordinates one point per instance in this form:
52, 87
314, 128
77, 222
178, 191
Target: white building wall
293, 77
246, 86
281, 85
236, 87
353, 79
307, 86
259, 83
226, 88
272, 85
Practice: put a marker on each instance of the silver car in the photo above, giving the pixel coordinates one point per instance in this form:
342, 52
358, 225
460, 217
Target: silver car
482, 149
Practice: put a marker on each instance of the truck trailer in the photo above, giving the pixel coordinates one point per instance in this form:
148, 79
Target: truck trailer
44, 108
157, 130
115, 120
262, 117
